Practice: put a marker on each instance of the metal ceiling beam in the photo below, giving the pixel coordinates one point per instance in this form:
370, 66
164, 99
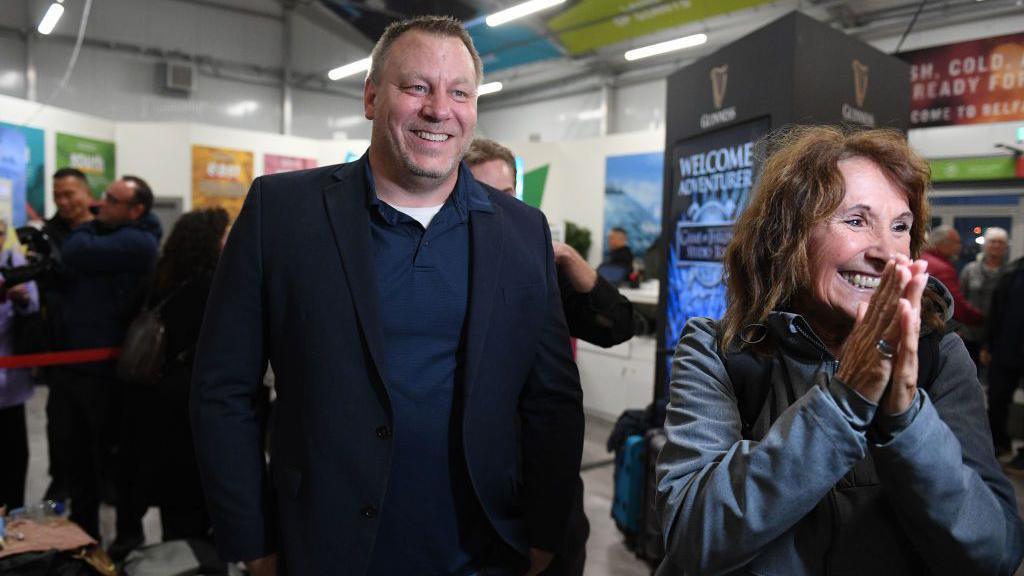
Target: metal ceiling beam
277, 17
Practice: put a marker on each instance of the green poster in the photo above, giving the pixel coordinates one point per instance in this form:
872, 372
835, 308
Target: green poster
967, 169
93, 157
591, 24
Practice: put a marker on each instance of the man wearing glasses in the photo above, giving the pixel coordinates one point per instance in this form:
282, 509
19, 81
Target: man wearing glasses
106, 259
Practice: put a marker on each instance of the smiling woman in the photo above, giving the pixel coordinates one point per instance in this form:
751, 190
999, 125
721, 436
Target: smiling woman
829, 422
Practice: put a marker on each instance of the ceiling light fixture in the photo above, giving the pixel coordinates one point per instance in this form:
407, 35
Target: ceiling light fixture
489, 88
49, 21
664, 47
349, 69
520, 10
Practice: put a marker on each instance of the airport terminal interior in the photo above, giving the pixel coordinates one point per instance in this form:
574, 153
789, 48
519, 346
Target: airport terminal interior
154, 159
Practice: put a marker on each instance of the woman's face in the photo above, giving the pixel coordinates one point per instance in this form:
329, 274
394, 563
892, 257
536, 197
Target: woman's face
848, 251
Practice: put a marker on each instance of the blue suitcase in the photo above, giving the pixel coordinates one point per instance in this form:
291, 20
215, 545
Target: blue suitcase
627, 507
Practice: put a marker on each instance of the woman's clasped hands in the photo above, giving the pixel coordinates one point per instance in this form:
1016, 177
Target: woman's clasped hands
879, 358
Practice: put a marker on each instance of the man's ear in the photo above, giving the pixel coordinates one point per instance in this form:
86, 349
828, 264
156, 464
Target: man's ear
369, 98
137, 211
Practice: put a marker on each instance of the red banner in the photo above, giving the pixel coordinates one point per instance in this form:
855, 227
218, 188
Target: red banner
967, 83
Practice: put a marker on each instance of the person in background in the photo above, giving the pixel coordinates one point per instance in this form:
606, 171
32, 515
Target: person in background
941, 253
806, 434
181, 283
105, 260
977, 281
619, 264
15, 384
595, 311
74, 203
1004, 333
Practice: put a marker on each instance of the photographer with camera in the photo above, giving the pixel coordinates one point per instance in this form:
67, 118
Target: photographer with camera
15, 384
103, 262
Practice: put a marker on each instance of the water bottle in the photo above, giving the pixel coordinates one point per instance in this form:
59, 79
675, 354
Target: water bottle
39, 511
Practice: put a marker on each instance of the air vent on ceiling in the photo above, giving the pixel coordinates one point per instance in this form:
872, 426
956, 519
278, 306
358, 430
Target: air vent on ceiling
176, 78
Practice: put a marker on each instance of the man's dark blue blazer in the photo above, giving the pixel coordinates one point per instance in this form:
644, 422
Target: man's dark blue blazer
296, 286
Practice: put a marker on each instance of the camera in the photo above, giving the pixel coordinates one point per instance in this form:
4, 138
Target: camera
40, 261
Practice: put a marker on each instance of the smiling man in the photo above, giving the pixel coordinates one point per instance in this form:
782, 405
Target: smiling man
428, 416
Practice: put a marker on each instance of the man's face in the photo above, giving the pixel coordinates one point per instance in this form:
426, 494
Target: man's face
496, 174
72, 197
423, 107
616, 240
119, 205
951, 247
996, 248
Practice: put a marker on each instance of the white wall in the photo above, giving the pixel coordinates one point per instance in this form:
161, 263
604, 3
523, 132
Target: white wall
166, 162
51, 120
121, 85
575, 185
160, 152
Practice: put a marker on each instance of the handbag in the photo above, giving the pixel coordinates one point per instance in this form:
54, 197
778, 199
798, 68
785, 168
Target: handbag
142, 352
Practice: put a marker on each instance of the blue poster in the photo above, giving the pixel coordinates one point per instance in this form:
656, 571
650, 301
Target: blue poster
633, 196
32, 205
12, 176
712, 178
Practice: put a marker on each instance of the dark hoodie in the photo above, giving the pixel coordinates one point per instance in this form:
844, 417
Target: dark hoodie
105, 266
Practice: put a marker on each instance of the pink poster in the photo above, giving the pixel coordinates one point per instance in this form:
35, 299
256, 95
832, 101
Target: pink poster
273, 164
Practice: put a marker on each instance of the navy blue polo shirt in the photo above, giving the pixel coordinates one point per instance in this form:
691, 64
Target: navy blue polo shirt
430, 519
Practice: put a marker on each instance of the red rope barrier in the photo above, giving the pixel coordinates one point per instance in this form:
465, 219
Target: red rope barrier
58, 358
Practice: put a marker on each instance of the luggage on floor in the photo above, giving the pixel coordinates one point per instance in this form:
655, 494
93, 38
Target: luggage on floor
649, 545
627, 505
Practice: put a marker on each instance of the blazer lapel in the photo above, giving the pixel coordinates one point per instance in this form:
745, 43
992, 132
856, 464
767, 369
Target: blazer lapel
485, 247
345, 201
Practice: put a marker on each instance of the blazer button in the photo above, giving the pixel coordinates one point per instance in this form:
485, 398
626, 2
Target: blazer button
384, 433
369, 512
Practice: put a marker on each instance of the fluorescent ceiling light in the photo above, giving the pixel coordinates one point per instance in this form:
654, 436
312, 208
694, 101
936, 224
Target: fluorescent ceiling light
520, 10
49, 20
349, 69
670, 46
489, 88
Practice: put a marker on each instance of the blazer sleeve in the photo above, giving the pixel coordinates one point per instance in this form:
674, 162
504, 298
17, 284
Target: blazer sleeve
602, 316
943, 479
551, 412
228, 372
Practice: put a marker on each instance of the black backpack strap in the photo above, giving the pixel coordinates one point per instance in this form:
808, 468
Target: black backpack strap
750, 376
928, 356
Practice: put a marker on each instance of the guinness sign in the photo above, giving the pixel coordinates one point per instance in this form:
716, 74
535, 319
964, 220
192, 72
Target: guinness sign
719, 82
860, 82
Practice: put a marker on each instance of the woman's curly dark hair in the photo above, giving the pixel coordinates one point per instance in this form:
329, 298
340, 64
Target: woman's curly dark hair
192, 248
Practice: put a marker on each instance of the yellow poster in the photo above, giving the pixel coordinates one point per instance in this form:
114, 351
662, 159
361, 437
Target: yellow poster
220, 177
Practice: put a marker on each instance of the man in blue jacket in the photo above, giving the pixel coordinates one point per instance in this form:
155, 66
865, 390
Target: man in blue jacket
428, 416
105, 260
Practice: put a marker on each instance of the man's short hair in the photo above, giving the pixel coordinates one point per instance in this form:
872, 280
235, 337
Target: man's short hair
484, 150
444, 26
940, 234
620, 230
996, 233
143, 193
69, 172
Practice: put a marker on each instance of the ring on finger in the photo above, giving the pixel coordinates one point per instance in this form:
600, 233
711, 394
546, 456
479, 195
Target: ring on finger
885, 350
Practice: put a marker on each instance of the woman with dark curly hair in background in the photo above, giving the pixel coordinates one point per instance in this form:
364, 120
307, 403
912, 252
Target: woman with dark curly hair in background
184, 274
830, 423
183, 278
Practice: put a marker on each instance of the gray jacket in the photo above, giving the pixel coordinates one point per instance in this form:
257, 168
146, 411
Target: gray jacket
927, 492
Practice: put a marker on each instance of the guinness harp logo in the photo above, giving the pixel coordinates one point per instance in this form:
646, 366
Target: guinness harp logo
860, 82
719, 78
